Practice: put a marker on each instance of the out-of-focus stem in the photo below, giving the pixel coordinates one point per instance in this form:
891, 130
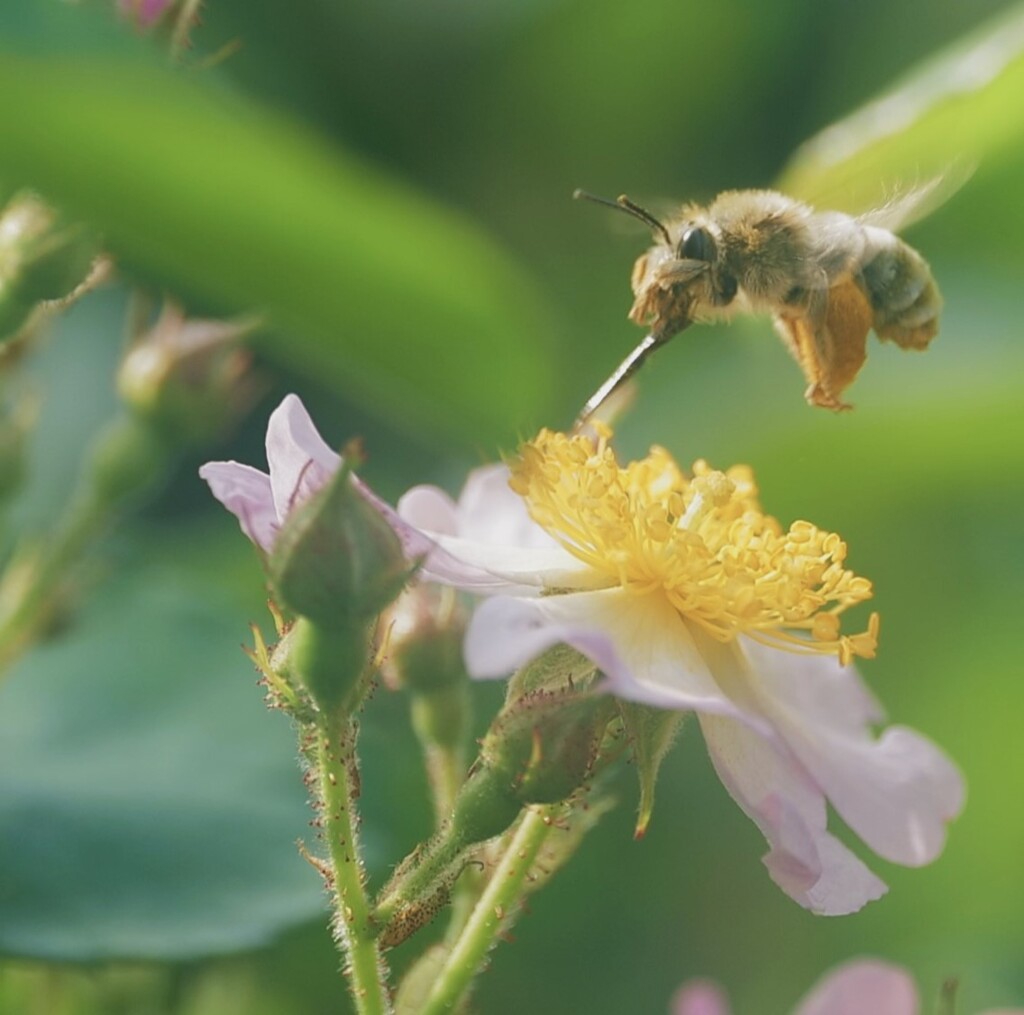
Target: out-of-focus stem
503, 891
125, 462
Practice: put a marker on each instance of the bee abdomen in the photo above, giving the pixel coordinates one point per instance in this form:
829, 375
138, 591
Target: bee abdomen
903, 294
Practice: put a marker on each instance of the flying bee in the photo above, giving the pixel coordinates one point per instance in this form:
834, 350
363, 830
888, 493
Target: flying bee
825, 278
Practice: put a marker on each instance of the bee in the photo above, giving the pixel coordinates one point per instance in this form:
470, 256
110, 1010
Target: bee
826, 279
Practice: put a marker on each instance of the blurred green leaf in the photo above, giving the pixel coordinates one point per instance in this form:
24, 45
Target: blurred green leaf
961, 107
401, 304
150, 803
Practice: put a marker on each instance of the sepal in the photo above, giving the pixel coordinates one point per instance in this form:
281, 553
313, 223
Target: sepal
651, 732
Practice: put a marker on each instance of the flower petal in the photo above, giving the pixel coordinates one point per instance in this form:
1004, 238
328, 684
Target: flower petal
514, 570
431, 526
246, 493
773, 789
897, 792
863, 985
639, 642
489, 511
430, 509
700, 997
299, 459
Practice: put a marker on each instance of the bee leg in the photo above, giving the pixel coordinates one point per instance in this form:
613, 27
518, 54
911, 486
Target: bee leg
801, 327
828, 339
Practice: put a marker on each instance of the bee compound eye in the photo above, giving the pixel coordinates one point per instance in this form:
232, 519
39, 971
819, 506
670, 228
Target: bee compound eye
697, 244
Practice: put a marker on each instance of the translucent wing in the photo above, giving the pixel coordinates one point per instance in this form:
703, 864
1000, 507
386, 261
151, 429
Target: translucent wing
909, 205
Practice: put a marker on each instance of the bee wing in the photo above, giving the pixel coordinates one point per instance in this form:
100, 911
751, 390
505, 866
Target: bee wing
828, 339
910, 205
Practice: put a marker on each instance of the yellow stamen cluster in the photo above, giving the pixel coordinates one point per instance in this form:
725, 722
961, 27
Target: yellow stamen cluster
701, 540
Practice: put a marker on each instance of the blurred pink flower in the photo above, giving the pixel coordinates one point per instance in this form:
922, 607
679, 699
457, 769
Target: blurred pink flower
859, 987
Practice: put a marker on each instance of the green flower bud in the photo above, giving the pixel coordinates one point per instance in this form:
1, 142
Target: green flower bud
336, 560
190, 379
41, 258
422, 633
546, 741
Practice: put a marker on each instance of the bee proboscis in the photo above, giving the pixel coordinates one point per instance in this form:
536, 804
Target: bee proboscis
826, 279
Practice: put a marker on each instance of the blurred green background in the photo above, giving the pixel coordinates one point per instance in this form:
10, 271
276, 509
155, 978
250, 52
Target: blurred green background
391, 183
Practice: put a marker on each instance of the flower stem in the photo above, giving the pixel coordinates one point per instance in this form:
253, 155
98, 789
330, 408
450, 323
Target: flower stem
338, 790
503, 891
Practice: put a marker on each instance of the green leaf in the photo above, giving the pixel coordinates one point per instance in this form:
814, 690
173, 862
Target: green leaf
651, 731
150, 803
954, 110
397, 302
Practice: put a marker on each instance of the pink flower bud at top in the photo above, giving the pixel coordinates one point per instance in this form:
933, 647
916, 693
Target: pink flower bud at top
145, 13
336, 560
190, 378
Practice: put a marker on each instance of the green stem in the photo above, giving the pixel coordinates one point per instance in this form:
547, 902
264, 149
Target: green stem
125, 462
336, 764
503, 891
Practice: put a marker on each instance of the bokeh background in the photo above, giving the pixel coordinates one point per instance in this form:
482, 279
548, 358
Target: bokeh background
391, 184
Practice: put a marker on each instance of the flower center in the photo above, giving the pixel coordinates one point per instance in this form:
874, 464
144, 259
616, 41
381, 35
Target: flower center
702, 541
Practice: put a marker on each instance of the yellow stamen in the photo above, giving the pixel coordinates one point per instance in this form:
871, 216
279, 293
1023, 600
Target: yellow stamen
702, 540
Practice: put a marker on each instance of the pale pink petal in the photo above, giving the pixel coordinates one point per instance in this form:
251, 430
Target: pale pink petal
299, 459
430, 509
860, 987
896, 792
470, 545
246, 493
513, 570
829, 693
431, 527
490, 512
466, 565
773, 789
699, 997
640, 644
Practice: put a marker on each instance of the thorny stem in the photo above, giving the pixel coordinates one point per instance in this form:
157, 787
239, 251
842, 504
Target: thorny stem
336, 760
502, 893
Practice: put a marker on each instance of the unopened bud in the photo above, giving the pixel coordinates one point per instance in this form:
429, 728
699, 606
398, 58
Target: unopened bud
546, 741
189, 378
423, 631
42, 257
336, 559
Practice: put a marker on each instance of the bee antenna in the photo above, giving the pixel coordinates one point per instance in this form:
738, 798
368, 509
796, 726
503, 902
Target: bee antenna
623, 203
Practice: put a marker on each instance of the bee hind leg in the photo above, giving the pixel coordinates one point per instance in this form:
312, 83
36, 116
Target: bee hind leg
827, 335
